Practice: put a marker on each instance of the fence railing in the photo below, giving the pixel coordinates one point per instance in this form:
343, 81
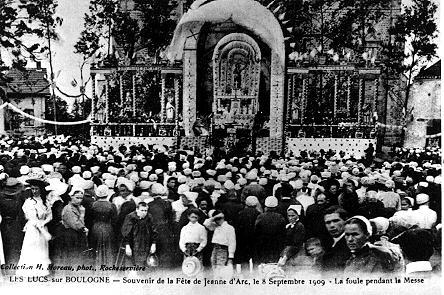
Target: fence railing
331, 131
135, 129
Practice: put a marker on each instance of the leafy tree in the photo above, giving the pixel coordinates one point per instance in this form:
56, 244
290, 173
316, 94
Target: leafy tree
18, 21
417, 29
151, 29
98, 22
157, 24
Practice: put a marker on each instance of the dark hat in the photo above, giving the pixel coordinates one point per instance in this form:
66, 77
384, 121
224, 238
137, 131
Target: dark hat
37, 182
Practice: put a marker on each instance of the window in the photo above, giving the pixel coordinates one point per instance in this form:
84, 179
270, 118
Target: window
29, 122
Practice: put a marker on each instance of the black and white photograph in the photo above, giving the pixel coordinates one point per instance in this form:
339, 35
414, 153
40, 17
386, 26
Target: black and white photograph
220, 147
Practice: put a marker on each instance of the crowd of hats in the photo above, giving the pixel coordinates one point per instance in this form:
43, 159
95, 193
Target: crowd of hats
138, 167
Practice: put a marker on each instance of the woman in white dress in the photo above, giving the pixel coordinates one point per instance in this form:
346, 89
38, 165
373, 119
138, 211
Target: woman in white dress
35, 243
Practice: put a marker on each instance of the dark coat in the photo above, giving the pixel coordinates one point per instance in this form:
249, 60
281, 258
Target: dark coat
139, 234
314, 221
372, 260
231, 209
245, 238
11, 202
162, 216
270, 236
294, 239
334, 258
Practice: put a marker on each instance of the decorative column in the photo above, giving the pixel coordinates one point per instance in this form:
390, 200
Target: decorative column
162, 98
189, 90
360, 98
93, 99
348, 95
121, 89
304, 98
133, 76
335, 96
107, 99
287, 119
277, 84
176, 107
375, 96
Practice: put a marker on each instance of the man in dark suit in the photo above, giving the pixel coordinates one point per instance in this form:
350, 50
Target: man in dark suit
336, 250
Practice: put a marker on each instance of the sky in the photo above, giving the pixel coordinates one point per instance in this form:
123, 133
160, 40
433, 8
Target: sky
66, 61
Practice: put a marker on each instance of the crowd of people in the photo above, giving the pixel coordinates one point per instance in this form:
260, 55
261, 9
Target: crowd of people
65, 203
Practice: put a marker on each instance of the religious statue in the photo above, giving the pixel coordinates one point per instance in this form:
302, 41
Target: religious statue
237, 73
170, 110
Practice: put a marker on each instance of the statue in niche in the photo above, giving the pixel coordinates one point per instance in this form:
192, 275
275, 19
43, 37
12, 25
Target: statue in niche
169, 109
126, 108
237, 74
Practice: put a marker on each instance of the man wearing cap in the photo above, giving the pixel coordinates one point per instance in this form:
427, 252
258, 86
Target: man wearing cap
270, 233
424, 216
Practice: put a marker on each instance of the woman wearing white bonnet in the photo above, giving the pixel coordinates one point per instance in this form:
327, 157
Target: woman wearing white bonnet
365, 257
294, 235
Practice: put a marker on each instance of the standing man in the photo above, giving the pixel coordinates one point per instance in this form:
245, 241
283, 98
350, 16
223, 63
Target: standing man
424, 216
139, 235
336, 250
270, 233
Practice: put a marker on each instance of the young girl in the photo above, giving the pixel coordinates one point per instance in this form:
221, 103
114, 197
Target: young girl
193, 236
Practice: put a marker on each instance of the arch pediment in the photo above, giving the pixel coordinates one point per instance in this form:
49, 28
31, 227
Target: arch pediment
247, 13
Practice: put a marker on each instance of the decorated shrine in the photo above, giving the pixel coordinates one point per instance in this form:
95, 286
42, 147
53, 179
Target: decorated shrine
229, 79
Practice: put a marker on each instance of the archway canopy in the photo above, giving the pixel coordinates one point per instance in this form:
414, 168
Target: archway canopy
247, 13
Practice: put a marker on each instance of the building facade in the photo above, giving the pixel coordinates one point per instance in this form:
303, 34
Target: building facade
232, 72
27, 90
424, 127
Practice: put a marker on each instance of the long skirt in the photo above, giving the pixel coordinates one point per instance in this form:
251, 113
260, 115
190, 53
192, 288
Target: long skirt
2, 255
34, 253
74, 247
219, 260
103, 242
12, 234
191, 250
165, 246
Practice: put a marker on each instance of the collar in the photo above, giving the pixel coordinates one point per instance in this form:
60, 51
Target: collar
290, 225
418, 266
336, 240
364, 248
